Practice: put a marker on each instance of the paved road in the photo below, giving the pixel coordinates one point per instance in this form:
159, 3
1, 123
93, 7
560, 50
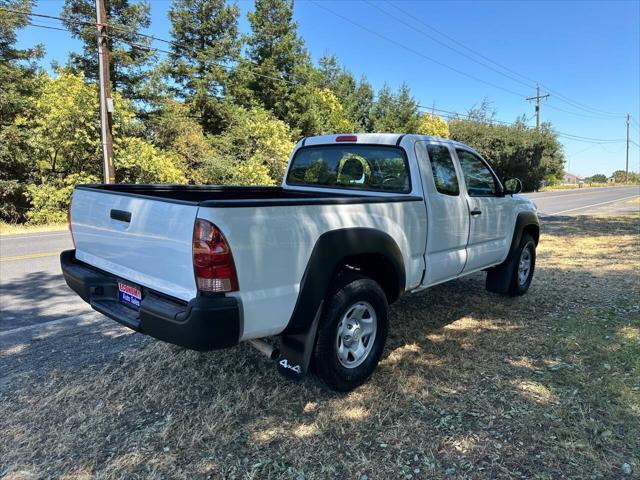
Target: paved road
32, 290
587, 201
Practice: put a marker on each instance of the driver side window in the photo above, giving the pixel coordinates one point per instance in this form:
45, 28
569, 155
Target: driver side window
478, 178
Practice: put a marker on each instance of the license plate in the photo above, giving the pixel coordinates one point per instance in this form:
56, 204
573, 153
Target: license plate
129, 295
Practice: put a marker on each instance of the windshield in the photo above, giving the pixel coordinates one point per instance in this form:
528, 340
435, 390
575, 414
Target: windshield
358, 167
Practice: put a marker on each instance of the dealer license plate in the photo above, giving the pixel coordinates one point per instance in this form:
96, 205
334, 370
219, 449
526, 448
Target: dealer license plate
129, 295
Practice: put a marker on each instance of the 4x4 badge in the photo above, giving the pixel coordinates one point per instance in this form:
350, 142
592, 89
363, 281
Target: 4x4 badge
285, 364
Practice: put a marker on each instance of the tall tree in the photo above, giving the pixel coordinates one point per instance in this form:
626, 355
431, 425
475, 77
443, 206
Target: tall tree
19, 84
130, 53
396, 112
277, 65
206, 46
355, 97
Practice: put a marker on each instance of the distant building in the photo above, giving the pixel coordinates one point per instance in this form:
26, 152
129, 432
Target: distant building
570, 178
611, 180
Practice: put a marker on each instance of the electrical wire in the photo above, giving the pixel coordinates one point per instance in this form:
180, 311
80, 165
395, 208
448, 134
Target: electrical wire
447, 113
414, 51
561, 97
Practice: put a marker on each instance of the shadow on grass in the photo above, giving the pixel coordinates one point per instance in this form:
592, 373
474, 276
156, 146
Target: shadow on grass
471, 385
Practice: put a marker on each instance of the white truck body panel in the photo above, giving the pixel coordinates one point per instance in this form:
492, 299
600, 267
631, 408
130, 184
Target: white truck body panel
153, 250
285, 237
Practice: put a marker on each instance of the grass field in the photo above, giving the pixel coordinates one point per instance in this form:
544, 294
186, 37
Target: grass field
471, 385
575, 186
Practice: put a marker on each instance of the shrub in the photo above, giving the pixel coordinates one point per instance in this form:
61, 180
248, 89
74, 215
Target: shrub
51, 200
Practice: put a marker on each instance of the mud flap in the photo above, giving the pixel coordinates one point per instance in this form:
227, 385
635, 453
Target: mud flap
499, 278
296, 350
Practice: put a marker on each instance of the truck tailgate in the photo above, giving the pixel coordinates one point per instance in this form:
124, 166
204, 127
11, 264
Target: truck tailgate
143, 240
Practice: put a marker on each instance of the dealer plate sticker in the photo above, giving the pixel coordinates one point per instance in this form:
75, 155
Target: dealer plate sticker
129, 295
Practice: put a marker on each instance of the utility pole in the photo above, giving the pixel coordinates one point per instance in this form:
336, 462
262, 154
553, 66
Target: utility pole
537, 98
106, 102
626, 169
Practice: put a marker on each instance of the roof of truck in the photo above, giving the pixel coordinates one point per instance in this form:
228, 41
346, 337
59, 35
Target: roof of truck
375, 138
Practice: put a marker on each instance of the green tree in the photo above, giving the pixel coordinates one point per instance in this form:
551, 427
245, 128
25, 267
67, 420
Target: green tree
19, 86
356, 98
433, 125
138, 161
533, 156
278, 69
254, 137
172, 128
597, 178
206, 45
396, 112
129, 63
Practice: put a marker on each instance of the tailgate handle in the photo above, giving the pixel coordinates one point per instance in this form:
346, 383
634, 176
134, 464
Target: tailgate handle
121, 215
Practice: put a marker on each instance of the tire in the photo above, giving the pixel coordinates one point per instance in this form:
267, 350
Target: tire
514, 277
354, 321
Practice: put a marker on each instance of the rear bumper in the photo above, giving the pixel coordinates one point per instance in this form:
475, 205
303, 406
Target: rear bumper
203, 323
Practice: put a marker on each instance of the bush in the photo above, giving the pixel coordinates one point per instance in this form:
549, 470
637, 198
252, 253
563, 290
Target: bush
137, 161
433, 125
533, 156
51, 200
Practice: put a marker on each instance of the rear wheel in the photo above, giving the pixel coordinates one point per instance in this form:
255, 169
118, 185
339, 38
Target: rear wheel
351, 334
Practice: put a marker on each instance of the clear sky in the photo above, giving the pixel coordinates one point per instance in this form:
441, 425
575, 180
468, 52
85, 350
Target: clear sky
585, 51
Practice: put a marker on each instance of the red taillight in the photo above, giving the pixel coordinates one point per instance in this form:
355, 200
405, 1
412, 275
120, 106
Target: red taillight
347, 138
212, 259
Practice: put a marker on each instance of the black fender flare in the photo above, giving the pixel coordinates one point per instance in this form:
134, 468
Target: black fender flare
328, 254
523, 220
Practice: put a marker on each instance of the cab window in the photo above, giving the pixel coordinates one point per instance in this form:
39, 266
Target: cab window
444, 173
478, 178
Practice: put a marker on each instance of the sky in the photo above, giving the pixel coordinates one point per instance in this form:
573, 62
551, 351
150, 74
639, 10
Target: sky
585, 54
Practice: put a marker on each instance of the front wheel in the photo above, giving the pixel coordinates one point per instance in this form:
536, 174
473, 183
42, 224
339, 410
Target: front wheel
514, 276
352, 334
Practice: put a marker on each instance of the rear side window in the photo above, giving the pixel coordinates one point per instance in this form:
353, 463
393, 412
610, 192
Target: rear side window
444, 173
478, 178
357, 167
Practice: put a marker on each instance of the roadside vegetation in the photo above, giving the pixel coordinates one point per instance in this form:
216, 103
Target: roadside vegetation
217, 107
470, 386
16, 229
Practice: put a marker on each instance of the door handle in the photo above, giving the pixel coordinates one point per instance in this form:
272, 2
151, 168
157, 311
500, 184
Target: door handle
475, 212
121, 215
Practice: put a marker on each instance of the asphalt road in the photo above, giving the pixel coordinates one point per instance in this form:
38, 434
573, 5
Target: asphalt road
33, 292
587, 201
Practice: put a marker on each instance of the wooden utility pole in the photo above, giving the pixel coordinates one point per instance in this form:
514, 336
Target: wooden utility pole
626, 169
537, 98
106, 102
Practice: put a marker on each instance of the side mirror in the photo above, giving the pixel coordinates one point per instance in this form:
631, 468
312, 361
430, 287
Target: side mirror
512, 185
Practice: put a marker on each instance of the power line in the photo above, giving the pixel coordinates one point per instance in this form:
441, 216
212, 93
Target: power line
414, 51
444, 44
452, 115
561, 97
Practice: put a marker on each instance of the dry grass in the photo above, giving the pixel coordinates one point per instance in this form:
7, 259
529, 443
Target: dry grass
575, 186
17, 229
471, 386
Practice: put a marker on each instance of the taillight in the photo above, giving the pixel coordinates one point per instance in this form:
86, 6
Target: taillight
347, 138
212, 259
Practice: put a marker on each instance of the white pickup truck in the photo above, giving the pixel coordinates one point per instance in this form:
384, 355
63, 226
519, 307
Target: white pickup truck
358, 221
